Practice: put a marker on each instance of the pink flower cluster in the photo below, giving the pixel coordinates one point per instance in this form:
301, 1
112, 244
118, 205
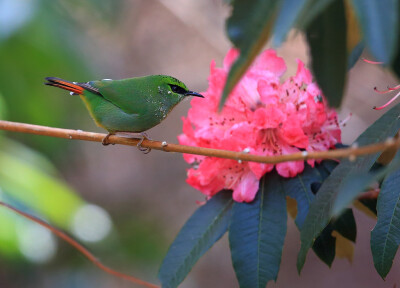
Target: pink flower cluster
261, 116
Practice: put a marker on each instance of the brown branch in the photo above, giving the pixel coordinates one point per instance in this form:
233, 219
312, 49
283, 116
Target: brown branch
80, 248
350, 153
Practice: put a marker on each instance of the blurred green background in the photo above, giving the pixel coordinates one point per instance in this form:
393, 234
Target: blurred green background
124, 206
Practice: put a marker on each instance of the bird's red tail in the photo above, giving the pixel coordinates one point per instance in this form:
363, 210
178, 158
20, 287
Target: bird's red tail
60, 83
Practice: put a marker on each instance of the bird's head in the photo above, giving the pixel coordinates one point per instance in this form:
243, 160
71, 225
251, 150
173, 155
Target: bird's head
175, 88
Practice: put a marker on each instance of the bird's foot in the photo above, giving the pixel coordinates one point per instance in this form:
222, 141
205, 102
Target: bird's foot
145, 150
106, 141
141, 136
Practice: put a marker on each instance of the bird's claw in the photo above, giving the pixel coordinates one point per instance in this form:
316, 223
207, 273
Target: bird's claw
145, 150
106, 140
143, 137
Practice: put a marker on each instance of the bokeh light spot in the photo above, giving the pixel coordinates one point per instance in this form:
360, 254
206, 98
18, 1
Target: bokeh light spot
91, 223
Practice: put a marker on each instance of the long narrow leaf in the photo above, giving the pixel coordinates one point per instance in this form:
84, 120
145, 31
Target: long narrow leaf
327, 36
356, 183
289, 12
325, 246
385, 237
346, 225
206, 226
256, 234
380, 25
248, 29
355, 55
299, 188
326, 243
396, 62
313, 9
320, 210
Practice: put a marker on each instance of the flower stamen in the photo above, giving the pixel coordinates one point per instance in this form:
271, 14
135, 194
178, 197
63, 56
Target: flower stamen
371, 62
345, 120
388, 103
389, 89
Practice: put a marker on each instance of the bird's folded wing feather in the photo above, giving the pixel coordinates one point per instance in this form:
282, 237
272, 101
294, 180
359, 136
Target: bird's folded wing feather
126, 94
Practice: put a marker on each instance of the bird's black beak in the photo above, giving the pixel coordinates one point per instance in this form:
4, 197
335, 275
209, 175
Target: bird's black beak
193, 94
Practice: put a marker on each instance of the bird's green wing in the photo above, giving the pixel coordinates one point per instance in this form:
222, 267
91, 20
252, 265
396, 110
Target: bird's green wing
133, 95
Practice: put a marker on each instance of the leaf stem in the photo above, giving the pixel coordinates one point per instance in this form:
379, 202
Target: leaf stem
351, 152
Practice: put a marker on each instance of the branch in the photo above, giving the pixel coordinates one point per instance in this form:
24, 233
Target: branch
79, 247
350, 153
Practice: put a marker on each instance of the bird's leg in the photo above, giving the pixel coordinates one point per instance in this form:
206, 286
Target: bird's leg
141, 136
139, 145
105, 140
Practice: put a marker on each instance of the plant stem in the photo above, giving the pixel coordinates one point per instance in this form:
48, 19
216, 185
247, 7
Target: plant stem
350, 153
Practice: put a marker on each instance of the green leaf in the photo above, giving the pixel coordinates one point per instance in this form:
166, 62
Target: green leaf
289, 12
312, 9
326, 167
352, 186
299, 188
346, 225
257, 233
385, 237
396, 62
355, 55
297, 13
327, 36
379, 23
325, 246
248, 29
206, 226
320, 210
356, 183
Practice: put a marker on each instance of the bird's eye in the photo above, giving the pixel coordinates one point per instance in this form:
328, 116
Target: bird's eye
177, 89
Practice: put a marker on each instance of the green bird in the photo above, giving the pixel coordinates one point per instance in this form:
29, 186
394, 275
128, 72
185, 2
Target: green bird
129, 105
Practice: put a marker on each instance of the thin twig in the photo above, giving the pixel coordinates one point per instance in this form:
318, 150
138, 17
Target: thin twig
80, 248
350, 153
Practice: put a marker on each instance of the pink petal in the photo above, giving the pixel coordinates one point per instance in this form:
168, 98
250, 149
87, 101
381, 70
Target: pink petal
187, 127
216, 83
246, 189
260, 169
268, 92
293, 134
269, 117
245, 94
303, 75
313, 90
239, 136
209, 189
269, 61
289, 169
230, 57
